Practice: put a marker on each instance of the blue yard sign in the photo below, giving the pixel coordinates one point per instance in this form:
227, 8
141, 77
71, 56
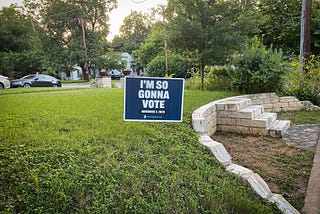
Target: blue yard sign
153, 99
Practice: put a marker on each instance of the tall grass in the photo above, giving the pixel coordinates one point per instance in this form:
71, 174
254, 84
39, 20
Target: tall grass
69, 151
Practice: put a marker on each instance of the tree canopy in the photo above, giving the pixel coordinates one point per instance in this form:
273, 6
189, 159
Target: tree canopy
19, 47
207, 28
133, 32
49, 35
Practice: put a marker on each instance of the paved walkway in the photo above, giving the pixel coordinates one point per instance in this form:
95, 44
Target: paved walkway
308, 137
303, 136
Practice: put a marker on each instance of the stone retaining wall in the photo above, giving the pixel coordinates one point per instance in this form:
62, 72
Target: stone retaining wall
273, 103
205, 121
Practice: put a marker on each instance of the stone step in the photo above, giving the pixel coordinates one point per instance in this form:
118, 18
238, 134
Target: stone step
233, 104
264, 120
278, 128
250, 112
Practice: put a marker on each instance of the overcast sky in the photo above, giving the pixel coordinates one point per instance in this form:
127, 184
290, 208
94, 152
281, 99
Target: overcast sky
124, 8
117, 16
8, 2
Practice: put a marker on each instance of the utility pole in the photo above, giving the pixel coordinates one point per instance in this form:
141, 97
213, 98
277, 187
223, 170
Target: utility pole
86, 63
307, 29
305, 34
302, 34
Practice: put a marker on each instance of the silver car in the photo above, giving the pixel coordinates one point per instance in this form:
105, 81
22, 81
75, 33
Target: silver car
4, 82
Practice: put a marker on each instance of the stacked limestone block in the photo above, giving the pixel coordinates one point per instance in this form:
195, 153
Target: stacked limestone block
251, 115
273, 103
250, 178
238, 115
204, 119
247, 114
103, 82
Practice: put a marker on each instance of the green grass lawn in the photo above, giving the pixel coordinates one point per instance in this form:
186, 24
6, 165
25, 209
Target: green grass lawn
74, 81
301, 117
69, 151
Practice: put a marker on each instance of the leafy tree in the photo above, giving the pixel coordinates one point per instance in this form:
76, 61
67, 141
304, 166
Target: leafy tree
156, 42
177, 66
19, 64
64, 23
208, 29
259, 69
111, 60
133, 31
16, 30
62, 32
20, 53
315, 27
152, 46
282, 23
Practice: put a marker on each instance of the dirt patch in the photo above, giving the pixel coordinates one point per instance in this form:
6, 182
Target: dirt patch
285, 169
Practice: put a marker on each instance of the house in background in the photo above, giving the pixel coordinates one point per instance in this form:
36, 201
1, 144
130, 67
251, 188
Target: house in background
130, 68
135, 68
127, 57
75, 74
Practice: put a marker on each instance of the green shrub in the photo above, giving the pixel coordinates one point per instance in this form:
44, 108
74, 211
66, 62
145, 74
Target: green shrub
193, 83
177, 66
305, 85
217, 79
259, 70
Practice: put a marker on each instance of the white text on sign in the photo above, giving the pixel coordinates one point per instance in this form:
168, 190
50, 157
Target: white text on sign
153, 93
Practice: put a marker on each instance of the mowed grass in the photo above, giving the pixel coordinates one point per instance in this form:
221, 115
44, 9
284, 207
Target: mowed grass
69, 151
301, 117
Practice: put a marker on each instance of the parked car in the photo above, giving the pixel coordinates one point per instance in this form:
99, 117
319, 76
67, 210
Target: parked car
36, 80
115, 74
4, 82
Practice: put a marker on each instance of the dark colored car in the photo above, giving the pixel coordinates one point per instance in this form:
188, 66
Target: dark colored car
115, 75
36, 80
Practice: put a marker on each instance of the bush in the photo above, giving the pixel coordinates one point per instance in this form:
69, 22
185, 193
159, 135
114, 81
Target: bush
177, 66
305, 85
259, 70
218, 78
193, 83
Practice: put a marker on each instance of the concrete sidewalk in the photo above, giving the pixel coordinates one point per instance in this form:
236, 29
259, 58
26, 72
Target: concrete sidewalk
307, 137
312, 201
